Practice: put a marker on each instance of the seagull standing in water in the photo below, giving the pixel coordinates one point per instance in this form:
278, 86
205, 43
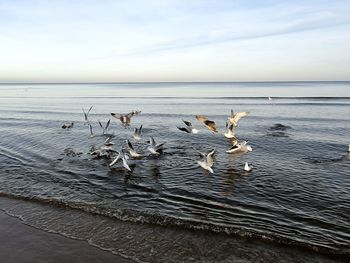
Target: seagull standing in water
86, 115
138, 133
189, 128
211, 125
247, 168
68, 125
207, 160
155, 148
234, 118
125, 118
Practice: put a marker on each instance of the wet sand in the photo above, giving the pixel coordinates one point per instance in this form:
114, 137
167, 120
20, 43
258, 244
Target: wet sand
22, 243
143, 242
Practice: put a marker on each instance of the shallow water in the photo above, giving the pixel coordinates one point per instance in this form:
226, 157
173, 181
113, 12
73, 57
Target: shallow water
297, 193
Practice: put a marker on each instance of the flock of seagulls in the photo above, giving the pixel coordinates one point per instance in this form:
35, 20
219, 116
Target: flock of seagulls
155, 149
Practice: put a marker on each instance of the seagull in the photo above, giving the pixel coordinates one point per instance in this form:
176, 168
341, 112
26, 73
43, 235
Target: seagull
207, 160
86, 115
155, 148
106, 127
189, 128
247, 168
209, 124
105, 149
67, 125
234, 118
138, 133
240, 147
124, 157
132, 151
229, 132
91, 132
269, 98
125, 118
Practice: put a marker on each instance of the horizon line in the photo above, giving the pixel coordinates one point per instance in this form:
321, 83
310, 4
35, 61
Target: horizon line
168, 82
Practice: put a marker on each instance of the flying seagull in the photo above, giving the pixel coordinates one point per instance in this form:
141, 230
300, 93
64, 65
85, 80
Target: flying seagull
242, 147
234, 118
105, 127
189, 128
209, 124
125, 118
132, 151
86, 115
229, 134
124, 157
155, 148
207, 160
67, 125
138, 133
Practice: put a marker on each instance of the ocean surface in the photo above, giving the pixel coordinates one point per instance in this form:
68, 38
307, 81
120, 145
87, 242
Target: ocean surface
297, 194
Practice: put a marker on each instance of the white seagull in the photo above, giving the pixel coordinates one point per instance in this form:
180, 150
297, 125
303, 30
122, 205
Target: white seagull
138, 133
241, 147
86, 115
132, 151
207, 160
247, 168
124, 157
155, 148
104, 129
234, 118
229, 134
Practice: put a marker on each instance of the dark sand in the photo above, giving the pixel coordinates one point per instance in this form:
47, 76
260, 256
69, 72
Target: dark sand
22, 243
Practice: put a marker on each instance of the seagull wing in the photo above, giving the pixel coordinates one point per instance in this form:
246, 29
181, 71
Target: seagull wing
183, 129
117, 115
239, 115
201, 118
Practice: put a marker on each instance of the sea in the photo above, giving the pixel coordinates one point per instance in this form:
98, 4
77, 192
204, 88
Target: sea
167, 208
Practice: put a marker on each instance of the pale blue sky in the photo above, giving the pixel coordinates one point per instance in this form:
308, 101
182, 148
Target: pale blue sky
168, 40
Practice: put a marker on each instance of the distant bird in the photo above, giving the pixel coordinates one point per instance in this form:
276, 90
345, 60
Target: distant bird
207, 160
155, 148
247, 168
269, 98
104, 129
124, 157
125, 118
211, 125
132, 151
189, 128
229, 134
67, 125
234, 118
242, 147
86, 115
138, 133
349, 149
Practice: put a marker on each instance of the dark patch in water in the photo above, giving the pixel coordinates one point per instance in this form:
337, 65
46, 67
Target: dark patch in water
279, 127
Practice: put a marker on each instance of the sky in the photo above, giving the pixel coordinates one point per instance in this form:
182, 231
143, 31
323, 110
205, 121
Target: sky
173, 40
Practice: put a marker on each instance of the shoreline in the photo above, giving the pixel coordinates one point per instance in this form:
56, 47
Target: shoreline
223, 248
